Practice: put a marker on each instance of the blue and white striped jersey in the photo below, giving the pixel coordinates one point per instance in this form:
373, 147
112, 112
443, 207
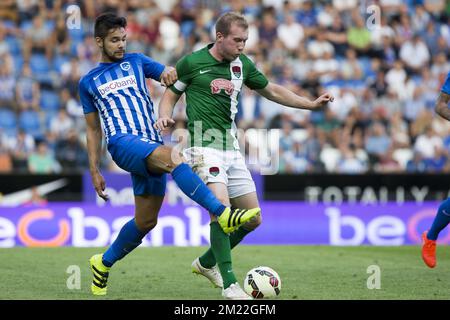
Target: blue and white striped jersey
118, 91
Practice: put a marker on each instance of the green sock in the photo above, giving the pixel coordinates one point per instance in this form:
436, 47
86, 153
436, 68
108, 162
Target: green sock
208, 260
220, 245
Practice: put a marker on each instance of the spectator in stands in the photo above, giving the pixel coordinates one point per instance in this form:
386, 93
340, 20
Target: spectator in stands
396, 78
61, 124
330, 126
21, 146
428, 144
438, 163
337, 35
416, 164
377, 143
60, 41
70, 153
349, 163
267, 30
358, 36
414, 54
282, 34
286, 139
435, 7
38, 38
8, 10
4, 46
27, 91
320, 46
296, 159
398, 129
7, 82
431, 38
290, 33
6, 164
42, 161
440, 67
420, 19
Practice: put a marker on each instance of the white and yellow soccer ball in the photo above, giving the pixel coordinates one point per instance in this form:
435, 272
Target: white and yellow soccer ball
262, 282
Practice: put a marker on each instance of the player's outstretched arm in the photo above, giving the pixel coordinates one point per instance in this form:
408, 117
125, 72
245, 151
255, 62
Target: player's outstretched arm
94, 138
166, 105
441, 106
286, 97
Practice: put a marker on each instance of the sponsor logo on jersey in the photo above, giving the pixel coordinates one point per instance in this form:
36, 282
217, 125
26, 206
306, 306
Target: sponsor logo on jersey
214, 171
117, 84
218, 84
236, 71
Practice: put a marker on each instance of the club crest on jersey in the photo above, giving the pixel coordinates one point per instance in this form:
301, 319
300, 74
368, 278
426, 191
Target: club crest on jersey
236, 71
214, 171
125, 66
218, 84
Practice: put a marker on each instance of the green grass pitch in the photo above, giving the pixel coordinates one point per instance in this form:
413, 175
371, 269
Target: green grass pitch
307, 272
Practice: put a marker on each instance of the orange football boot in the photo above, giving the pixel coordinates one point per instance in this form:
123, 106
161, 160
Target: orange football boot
428, 251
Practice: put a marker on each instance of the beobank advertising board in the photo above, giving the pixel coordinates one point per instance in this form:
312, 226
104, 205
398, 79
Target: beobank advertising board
284, 223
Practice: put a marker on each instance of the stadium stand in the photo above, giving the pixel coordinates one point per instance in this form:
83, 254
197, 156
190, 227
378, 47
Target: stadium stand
375, 73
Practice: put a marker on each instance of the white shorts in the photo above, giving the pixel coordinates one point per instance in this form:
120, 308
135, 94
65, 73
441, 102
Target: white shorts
227, 167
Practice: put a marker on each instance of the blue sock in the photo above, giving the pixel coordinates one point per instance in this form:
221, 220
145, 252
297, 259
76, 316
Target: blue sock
441, 220
129, 238
194, 188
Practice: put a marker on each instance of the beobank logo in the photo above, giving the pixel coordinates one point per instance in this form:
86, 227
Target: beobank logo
116, 85
74, 227
379, 230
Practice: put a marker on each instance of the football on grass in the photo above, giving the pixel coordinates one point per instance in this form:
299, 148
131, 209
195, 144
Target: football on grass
262, 282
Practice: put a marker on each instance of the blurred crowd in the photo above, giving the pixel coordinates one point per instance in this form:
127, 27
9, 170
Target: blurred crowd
385, 73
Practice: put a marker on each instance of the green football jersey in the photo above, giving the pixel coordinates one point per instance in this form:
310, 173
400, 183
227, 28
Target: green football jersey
212, 91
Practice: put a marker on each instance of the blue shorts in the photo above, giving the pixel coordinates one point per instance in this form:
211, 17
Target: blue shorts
129, 153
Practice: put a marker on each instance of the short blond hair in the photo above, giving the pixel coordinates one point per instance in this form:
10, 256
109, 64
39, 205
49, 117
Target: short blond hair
223, 24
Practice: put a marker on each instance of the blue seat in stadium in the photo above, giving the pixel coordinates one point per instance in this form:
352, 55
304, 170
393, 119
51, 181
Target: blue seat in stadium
76, 34
14, 45
18, 64
366, 65
49, 115
29, 122
8, 122
26, 25
49, 100
39, 63
9, 24
58, 62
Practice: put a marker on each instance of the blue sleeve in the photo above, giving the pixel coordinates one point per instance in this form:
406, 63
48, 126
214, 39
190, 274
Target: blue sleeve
446, 86
152, 69
86, 98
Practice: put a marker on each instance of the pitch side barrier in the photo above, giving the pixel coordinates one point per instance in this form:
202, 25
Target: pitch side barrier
357, 189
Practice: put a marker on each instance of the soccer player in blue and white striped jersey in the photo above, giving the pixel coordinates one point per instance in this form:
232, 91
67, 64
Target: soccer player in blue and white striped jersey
116, 92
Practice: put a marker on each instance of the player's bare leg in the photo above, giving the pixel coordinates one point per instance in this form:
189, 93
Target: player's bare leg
130, 236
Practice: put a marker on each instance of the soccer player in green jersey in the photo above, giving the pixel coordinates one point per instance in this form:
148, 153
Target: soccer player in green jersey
212, 79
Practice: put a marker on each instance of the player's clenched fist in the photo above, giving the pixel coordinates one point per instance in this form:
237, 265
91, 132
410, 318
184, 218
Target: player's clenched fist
169, 76
164, 123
